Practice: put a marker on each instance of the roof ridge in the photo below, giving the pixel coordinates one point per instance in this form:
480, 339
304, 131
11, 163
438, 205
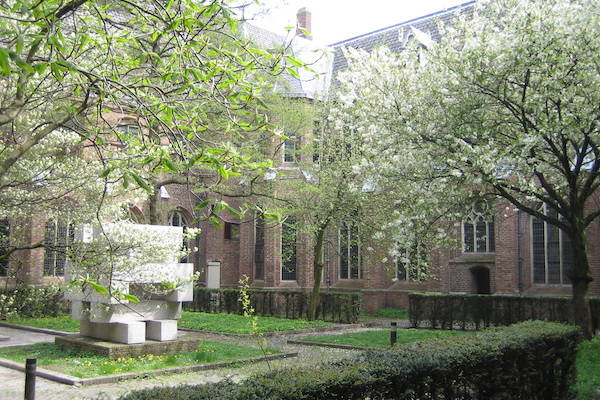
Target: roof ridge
435, 13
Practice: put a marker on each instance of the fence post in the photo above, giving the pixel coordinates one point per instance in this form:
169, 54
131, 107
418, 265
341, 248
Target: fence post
393, 333
30, 368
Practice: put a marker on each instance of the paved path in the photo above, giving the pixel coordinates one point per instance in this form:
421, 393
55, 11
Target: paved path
17, 337
12, 382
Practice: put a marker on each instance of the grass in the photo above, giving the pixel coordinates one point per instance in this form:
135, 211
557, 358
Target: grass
87, 365
588, 370
381, 338
62, 323
391, 313
227, 323
233, 323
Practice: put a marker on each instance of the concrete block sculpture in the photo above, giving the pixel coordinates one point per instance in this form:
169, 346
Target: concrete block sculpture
140, 260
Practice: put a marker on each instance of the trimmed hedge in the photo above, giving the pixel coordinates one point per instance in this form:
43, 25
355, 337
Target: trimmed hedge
531, 361
334, 307
449, 311
36, 302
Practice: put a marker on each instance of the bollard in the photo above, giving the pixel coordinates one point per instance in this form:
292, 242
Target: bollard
30, 368
393, 333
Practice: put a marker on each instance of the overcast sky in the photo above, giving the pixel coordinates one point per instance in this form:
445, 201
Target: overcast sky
335, 20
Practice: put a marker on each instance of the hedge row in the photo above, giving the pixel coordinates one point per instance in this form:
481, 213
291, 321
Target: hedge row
334, 307
531, 361
36, 302
450, 311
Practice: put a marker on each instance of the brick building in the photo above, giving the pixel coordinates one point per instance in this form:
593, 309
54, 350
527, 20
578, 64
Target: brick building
499, 251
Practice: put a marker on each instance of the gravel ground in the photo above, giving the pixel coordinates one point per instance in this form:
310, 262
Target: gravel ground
13, 381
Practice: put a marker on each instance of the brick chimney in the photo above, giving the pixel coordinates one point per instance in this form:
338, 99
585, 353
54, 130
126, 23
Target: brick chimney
303, 18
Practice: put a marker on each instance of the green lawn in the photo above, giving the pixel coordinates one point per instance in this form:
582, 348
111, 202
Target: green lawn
229, 323
381, 338
392, 313
63, 323
86, 365
588, 370
233, 323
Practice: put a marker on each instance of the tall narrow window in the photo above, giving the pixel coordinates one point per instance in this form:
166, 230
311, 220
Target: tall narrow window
4, 242
552, 251
350, 252
316, 141
410, 266
231, 231
259, 248
58, 237
177, 219
478, 231
290, 149
289, 236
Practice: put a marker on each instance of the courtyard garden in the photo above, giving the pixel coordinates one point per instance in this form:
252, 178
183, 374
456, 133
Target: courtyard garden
89, 365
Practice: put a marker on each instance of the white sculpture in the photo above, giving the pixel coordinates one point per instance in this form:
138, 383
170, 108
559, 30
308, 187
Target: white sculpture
133, 259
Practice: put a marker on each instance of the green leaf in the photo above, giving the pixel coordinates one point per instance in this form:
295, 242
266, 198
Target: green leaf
295, 62
232, 210
140, 181
170, 165
98, 288
4, 65
107, 172
57, 71
293, 72
201, 205
19, 45
131, 298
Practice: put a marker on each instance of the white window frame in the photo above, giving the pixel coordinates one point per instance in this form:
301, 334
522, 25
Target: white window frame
476, 217
69, 231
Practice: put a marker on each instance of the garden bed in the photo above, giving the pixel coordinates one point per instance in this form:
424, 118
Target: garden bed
85, 368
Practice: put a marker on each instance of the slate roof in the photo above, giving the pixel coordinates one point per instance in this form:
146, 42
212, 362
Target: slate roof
307, 85
391, 36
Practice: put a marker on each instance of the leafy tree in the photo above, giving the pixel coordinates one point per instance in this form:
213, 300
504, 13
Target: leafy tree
177, 72
506, 106
319, 188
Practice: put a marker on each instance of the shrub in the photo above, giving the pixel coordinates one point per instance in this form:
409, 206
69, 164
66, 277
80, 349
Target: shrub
334, 307
35, 302
450, 311
530, 361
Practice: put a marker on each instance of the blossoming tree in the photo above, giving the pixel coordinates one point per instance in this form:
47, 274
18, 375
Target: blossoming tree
177, 73
506, 105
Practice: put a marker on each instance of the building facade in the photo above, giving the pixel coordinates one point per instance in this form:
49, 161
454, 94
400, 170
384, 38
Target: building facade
498, 251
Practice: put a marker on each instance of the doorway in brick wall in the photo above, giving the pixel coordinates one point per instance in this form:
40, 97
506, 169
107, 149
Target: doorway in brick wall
481, 279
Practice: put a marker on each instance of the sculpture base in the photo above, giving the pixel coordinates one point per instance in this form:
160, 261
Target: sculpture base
118, 350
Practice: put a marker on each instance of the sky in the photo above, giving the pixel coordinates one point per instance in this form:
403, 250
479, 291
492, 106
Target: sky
335, 20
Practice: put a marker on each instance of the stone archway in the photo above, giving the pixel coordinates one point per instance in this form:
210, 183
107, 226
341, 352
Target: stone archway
481, 279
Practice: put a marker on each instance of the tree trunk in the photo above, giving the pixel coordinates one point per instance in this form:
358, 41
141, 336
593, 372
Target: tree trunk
580, 280
315, 295
153, 200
